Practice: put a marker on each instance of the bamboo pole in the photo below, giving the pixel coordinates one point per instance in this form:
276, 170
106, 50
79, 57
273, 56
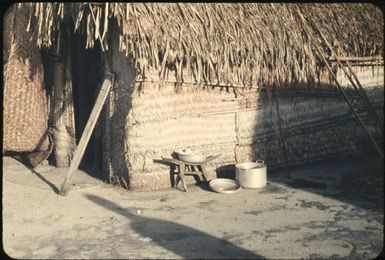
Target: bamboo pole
359, 88
351, 107
342, 91
196, 83
355, 59
368, 104
280, 132
278, 129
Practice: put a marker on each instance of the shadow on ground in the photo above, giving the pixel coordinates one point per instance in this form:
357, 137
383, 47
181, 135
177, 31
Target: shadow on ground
347, 180
182, 240
50, 184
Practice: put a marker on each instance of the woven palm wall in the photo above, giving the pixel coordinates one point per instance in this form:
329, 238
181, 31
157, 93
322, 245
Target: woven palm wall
164, 119
25, 101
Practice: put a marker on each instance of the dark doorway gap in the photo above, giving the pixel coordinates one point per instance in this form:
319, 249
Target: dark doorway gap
87, 72
86, 79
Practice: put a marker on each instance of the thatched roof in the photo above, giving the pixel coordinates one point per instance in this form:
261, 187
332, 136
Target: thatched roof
246, 44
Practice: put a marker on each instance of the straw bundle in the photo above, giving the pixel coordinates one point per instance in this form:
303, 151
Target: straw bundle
25, 101
243, 44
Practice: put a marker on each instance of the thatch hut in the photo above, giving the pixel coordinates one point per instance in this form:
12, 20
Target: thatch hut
244, 80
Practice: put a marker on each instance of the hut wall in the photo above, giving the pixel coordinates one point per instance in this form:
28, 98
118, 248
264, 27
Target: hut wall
369, 76
164, 119
372, 79
116, 115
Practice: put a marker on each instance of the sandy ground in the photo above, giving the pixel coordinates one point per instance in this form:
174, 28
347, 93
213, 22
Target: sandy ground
329, 209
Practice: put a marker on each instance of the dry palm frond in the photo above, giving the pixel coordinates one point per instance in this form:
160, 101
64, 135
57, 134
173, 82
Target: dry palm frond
241, 44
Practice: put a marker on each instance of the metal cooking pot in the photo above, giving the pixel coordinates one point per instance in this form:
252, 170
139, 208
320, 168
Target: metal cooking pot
251, 174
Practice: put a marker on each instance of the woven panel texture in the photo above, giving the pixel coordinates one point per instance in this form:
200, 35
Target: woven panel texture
25, 102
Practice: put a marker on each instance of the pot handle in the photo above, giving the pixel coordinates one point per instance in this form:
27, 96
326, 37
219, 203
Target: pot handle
260, 161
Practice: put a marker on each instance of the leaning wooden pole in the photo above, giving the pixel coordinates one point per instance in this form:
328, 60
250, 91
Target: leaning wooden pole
351, 106
319, 51
280, 132
103, 93
350, 74
356, 59
368, 104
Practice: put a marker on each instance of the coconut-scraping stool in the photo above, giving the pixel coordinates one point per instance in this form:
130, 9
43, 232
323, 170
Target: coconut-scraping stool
184, 168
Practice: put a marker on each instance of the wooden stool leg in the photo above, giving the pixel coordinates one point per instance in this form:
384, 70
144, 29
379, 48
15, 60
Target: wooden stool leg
204, 172
181, 175
177, 181
196, 170
175, 168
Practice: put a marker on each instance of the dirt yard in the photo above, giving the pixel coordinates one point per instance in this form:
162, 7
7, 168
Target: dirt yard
329, 209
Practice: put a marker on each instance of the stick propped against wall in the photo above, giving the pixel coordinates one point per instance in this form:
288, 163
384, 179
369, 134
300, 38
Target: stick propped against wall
104, 90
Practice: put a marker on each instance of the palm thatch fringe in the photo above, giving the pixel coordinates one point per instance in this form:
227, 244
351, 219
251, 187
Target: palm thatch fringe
250, 44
